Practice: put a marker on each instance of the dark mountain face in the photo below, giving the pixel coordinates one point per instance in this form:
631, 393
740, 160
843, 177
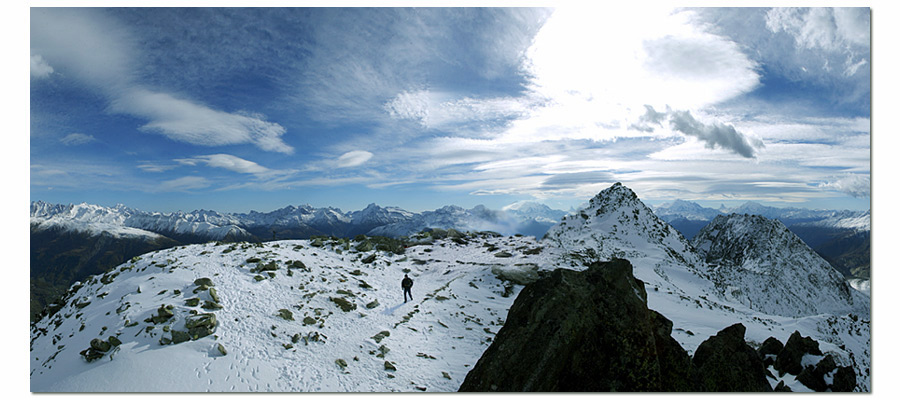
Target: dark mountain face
59, 258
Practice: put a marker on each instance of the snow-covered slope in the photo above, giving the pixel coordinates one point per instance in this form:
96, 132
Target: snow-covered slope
758, 262
430, 342
856, 220
478, 218
87, 218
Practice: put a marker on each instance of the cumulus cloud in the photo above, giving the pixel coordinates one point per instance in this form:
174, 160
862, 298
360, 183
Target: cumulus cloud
353, 158
99, 51
855, 185
39, 67
227, 161
75, 139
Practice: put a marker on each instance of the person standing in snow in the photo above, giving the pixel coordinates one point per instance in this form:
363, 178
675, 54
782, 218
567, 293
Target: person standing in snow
407, 287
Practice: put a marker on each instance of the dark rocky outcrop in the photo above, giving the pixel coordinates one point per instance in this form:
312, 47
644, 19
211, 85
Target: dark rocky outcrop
583, 331
789, 358
725, 363
591, 331
769, 350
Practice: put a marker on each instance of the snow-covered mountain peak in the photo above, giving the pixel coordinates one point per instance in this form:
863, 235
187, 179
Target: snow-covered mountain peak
616, 223
746, 251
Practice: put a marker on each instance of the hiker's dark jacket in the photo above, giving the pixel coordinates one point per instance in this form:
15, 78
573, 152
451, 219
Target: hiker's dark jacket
407, 283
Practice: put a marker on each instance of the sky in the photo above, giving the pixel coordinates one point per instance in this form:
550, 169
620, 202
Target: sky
239, 109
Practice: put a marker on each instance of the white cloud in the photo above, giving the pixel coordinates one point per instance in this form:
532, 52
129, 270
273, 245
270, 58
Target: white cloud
39, 67
150, 167
186, 121
853, 184
75, 139
229, 162
99, 51
184, 184
353, 158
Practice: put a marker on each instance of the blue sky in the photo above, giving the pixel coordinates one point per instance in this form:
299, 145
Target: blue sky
255, 109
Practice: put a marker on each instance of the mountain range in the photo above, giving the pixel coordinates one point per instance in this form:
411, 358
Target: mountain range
70, 242
326, 314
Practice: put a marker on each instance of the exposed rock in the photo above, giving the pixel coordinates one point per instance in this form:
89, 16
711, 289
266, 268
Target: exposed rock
372, 304
204, 282
517, 274
201, 325
369, 259
381, 335
582, 331
286, 314
725, 363
503, 254
844, 380
770, 347
389, 367
344, 304
789, 358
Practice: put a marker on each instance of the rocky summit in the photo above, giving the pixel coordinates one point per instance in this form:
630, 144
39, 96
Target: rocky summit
591, 331
583, 331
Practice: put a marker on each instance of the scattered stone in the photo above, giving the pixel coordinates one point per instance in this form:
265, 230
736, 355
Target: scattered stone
373, 304
192, 302
204, 282
221, 349
369, 259
503, 254
341, 363
388, 366
180, 336
309, 321
446, 375
211, 305
286, 314
214, 295
344, 304
201, 325
381, 335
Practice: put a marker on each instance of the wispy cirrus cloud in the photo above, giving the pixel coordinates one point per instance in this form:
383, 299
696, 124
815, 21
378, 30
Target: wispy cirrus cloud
75, 139
99, 51
184, 184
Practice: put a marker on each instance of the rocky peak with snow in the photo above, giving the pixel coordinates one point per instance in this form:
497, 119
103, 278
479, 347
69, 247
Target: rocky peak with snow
616, 224
758, 262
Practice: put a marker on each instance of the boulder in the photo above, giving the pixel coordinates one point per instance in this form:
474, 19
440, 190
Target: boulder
517, 274
844, 380
582, 331
726, 363
204, 282
790, 357
770, 347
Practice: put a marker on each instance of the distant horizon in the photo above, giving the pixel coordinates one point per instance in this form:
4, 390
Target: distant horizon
654, 205
239, 109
